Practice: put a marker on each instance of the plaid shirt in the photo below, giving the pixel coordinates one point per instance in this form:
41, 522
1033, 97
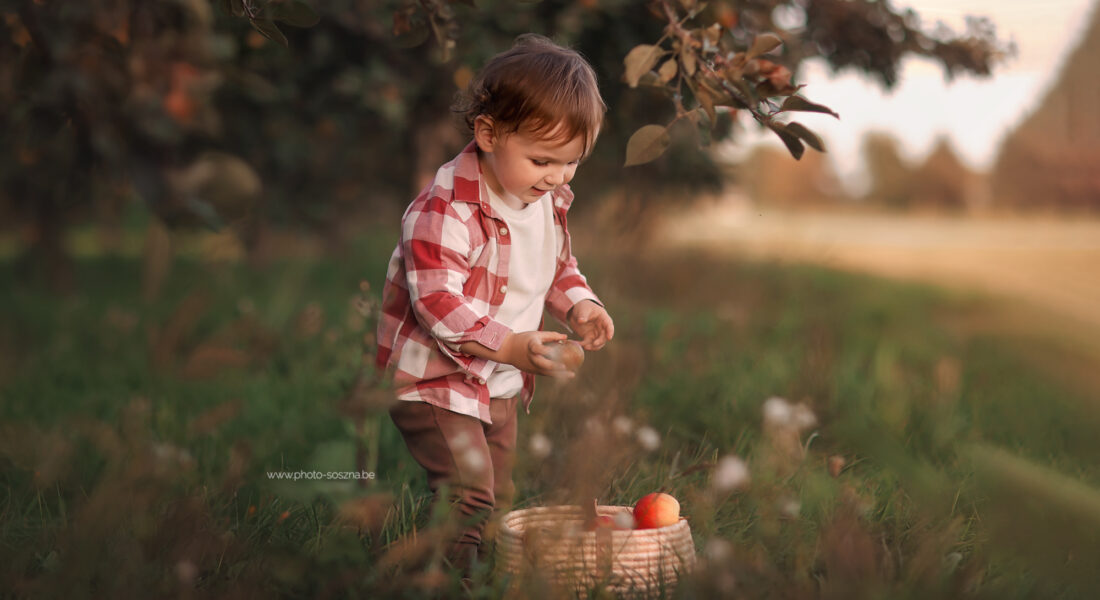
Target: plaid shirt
446, 281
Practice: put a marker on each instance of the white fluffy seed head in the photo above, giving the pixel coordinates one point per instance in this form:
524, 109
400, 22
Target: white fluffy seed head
777, 412
473, 459
648, 437
623, 425
731, 473
540, 445
803, 417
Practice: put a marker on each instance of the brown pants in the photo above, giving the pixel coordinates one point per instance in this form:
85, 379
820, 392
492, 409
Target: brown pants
473, 459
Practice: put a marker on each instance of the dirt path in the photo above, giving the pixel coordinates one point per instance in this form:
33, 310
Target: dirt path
1046, 270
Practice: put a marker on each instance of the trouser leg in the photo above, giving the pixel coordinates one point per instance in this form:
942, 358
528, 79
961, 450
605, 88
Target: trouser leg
454, 452
500, 436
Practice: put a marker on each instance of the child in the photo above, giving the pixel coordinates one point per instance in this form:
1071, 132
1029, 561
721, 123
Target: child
484, 248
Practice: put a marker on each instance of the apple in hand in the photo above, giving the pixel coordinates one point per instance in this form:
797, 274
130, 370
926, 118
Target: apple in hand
569, 353
656, 510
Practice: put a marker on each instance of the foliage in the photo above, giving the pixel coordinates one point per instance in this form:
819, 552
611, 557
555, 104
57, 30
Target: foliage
191, 108
136, 437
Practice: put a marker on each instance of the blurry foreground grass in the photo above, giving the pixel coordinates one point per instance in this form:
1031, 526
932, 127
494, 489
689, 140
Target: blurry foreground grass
888, 453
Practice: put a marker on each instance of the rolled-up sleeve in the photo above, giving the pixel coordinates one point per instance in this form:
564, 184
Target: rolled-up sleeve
436, 247
569, 288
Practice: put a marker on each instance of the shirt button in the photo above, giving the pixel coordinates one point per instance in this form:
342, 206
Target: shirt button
481, 381
503, 231
504, 289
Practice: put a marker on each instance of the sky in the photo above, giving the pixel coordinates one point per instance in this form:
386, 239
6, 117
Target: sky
973, 113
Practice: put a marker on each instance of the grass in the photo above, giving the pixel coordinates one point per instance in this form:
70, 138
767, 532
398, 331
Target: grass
135, 436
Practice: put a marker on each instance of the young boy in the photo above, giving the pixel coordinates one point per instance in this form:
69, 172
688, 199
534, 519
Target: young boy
484, 248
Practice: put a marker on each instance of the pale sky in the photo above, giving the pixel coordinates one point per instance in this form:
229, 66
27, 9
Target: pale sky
974, 113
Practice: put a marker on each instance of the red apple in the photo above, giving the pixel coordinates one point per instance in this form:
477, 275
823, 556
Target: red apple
656, 510
600, 522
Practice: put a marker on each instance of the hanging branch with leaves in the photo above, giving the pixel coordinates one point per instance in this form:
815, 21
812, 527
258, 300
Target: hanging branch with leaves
263, 14
719, 77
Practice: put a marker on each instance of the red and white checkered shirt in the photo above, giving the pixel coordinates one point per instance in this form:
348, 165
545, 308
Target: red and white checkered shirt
446, 281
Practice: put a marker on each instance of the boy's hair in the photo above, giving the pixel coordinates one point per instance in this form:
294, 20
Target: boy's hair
536, 85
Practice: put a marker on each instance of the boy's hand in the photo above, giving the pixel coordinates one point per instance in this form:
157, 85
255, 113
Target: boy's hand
528, 351
592, 323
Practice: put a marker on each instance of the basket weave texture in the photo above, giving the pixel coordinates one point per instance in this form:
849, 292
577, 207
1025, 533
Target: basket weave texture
552, 541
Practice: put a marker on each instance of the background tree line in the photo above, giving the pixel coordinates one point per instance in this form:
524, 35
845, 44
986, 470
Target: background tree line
198, 109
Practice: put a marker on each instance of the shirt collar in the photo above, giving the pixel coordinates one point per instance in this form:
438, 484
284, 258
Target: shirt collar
468, 182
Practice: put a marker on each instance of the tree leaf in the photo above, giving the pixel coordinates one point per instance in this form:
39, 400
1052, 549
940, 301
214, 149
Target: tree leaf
295, 12
687, 57
807, 136
639, 61
765, 42
236, 8
646, 144
668, 70
270, 31
801, 104
794, 145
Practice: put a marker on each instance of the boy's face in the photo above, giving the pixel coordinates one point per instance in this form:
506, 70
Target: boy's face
523, 165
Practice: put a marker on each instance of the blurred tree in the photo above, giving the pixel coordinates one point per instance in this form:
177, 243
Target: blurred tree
172, 99
1051, 158
942, 182
890, 175
771, 178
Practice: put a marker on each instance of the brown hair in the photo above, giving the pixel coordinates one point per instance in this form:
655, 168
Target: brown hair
536, 85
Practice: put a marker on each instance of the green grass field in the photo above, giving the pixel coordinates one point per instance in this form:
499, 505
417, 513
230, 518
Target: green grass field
135, 436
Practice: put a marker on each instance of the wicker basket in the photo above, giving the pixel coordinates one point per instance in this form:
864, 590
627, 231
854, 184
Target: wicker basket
552, 541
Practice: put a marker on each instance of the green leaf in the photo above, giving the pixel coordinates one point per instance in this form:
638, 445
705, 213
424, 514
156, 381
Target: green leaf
295, 12
646, 144
764, 43
801, 104
806, 135
270, 31
794, 145
639, 61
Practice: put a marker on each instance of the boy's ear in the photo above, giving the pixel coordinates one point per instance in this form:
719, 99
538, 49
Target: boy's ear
484, 133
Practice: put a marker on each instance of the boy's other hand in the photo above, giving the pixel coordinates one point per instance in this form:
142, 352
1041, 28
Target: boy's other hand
592, 323
529, 351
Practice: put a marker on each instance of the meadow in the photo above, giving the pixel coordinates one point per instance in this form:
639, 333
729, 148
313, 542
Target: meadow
892, 452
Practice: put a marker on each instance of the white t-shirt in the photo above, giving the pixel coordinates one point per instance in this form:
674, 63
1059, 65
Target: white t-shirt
531, 267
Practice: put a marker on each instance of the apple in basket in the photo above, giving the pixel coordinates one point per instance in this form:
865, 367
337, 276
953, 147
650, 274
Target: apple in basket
656, 510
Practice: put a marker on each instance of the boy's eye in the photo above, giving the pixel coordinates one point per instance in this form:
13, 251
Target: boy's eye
539, 163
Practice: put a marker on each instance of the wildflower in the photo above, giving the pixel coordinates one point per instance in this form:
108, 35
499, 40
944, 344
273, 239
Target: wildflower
623, 425
473, 459
648, 437
789, 507
540, 445
802, 417
731, 473
777, 412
